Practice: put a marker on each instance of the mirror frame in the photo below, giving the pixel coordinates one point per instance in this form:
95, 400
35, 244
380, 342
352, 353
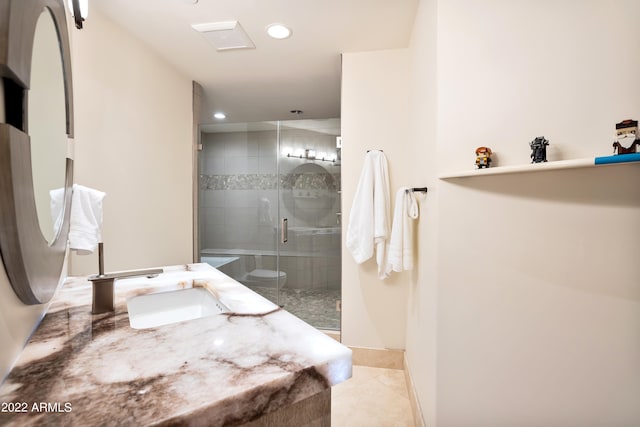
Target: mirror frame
33, 266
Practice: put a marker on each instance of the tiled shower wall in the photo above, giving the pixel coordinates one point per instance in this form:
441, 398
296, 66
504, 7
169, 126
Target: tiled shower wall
240, 207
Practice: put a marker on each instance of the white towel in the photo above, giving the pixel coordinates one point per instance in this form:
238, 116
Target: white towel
400, 252
86, 217
56, 197
369, 217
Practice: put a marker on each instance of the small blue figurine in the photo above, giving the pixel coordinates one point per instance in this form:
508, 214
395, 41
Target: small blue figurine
539, 149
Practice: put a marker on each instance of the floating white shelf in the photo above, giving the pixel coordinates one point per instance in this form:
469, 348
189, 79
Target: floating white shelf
538, 167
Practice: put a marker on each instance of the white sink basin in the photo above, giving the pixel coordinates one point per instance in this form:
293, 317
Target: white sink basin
163, 308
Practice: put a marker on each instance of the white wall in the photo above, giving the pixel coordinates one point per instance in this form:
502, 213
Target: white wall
524, 308
133, 141
539, 289
375, 116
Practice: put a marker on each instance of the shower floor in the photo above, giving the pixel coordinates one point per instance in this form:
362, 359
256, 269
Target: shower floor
317, 307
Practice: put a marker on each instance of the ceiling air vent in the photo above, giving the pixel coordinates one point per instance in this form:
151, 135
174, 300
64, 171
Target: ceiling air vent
225, 35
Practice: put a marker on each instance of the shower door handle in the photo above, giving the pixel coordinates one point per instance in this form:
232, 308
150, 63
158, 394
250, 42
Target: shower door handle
284, 231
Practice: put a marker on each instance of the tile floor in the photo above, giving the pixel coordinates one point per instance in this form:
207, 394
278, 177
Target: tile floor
317, 307
373, 397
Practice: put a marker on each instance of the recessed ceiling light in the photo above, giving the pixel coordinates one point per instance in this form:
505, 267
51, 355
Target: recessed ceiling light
278, 31
220, 116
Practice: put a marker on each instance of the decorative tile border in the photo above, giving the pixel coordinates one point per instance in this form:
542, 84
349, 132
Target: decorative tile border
239, 182
307, 181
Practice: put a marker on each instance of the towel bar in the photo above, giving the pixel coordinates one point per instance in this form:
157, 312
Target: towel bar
420, 189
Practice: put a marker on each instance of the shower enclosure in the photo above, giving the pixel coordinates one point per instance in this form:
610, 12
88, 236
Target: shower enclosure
269, 212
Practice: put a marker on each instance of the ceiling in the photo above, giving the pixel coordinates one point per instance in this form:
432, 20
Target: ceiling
301, 72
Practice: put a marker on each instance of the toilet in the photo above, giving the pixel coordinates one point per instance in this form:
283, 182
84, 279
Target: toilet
264, 278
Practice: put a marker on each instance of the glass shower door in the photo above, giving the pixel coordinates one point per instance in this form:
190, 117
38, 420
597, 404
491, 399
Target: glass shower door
269, 212
310, 202
238, 203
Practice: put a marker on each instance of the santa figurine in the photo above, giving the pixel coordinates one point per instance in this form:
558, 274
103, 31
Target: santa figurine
626, 137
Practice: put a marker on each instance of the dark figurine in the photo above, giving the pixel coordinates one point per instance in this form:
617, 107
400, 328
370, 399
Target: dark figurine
626, 134
539, 149
483, 157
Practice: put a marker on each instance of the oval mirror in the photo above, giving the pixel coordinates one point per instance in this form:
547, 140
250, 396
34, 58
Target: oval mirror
35, 67
46, 121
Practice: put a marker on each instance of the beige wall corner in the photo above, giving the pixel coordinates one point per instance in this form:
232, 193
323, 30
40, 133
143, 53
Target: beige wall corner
375, 97
134, 141
422, 340
418, 418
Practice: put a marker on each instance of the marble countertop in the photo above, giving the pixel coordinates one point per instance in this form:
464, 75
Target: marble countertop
225, 369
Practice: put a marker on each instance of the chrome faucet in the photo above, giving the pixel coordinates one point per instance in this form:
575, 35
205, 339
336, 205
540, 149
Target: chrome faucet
103, 284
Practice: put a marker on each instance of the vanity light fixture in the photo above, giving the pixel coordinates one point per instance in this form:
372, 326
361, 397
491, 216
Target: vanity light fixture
310, 154
220, 115
278, 31
79, 10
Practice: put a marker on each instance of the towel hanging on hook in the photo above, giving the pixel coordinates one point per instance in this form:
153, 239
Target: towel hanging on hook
369, 228
400, 256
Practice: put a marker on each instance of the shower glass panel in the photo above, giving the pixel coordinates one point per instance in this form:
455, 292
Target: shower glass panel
269, 212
